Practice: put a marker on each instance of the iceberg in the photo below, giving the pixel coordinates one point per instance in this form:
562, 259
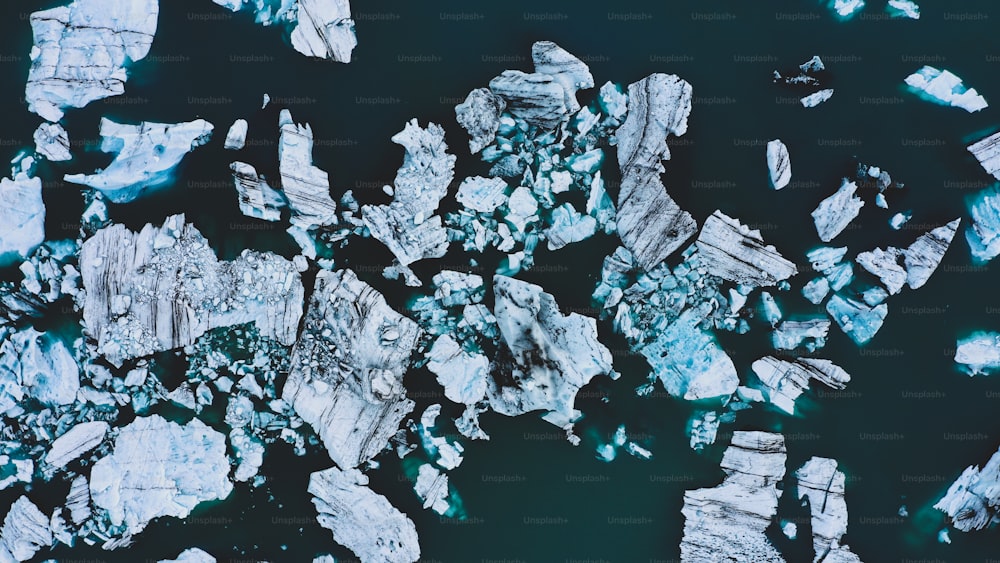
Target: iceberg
819, 481
568, 71
817, 98
236, 138
784, 381
361, 519
547, 356
22, 218
983, 235
834, 213
163, 287
77, 441
52, 142
145, 156
903, 9
703, 429
807, 73
569, 226
346, 374
256, 198
479, 115
857, 319
432, 488
979, 353
734, 252
728, 522
39, 366
462, 374
899, 219
884, 264
160, 468
81, 51
191, 555
539, 99
306, 187
482, 194
408, 226
324, 29
943, 87
25, 530
971, 501
925, 254
825, 258
78, 500
810, 333
779, 167
650, 223
816, 290
987, 152
846, 9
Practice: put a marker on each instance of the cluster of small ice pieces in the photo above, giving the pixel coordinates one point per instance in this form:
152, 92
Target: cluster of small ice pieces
319, 28
809, 75
943, 87
728, 522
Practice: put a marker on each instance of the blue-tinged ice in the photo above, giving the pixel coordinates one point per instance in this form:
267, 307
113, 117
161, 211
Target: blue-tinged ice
979, 353
984, 233
39, 366
772, 314
824, 258
816, 290
898, 220
22, 215
943, 87
809, 334
817, 98
857, 319
845, 9
145, 156
482, 194
569, 226
903, 9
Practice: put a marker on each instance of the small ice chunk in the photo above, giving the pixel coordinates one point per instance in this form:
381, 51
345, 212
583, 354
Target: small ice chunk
817, 98
979, 353
834, 213
778, 164
52, 142
236, 138
903, 9
898, 220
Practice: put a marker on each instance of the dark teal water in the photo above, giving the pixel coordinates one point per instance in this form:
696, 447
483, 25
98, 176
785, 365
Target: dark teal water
207, 63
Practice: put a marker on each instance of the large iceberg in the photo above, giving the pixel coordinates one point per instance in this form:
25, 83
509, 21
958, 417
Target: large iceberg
161, 288
81, 50
973, 500
819, 481
727, 522
943, 87
361, 519
779, 166
145, 156
346, 376
22, 217
547, 356
834, 213
979, 353
737, 253
651, 225
160, 468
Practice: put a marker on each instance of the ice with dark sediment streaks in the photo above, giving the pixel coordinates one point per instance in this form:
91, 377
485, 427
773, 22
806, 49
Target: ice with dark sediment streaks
256, 198
783, 381
536, 98
737, 253
779, 166
834, 213
819, 481
324, 29
987, 152
304, 185
52, 142
972, 502
361, 519
81, 50
346, 375
728, 522
567, 70
479, 115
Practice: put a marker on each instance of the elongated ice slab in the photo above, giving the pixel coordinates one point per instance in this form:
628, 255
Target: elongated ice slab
77, 441
817, 98
81, 50
778, 165
983, 235
903, 9
306, 187
819, 481
145, 156
737, 253
943, 87
237, 135
834, 213
22, 218
784, 381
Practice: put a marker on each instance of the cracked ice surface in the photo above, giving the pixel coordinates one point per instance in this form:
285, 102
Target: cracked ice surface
548, 356
834, 213
943, 87
346, 377
983, 235
80, 52
52, 142
25, 530
727, 522
824, 486
971, 501
39, 366
22, 217
783, 381
361, 519
160, 468
145, 156
161, 288
306, 187
737, 253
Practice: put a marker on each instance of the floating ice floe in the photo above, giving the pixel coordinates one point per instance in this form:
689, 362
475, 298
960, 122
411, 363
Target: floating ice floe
52, 142
463, 374
319, 28
779, 167
39, 366
432, 488
979, 353
834, 213
845, 9
784, 381
943, 87
983, 235
161, 288
903, 9
808, 333
81, 51
22, 217
899, 219
807, 75
306, 187
819, 481
145, 156
256, 198
408, 225
25, 530
817, 98
859, 320
548, 357
971, 500
77, 441
361, 519
567, 70
191, 555
737, 253
728, 522
987, 152
651, 225
236, 138
346, 375
159, 468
